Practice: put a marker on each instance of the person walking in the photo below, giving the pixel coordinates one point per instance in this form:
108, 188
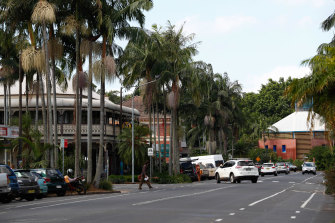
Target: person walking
144, 176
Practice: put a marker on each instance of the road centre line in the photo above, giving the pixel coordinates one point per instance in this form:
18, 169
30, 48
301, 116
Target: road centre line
180, 196
308, 200
219, 219
273, 195
73, 202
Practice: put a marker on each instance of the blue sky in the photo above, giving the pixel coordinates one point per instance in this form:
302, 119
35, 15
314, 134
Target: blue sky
251, 40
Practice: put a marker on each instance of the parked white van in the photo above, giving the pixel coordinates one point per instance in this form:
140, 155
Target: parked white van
216, 159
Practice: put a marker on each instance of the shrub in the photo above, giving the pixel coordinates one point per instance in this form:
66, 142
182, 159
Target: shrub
330, 181
298, 163
265, 155
106, 185
324, 158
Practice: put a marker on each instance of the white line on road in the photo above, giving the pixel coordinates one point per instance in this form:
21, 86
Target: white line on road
232, 214
259, 181
308, 200
180, 196
291, 182
219, 219
297, 212
242, 209
3, 212
73, 202
293, 217
273, 195
275, 181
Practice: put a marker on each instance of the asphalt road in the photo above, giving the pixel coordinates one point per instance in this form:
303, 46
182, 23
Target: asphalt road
285, 198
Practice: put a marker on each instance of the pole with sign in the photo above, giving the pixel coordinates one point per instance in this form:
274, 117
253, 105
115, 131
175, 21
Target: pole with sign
62, 146
150, 154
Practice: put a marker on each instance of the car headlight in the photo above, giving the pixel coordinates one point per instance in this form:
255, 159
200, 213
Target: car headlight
19, 181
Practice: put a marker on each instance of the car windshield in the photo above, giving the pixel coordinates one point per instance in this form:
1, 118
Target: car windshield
210, 165
309, 164
37, 175
4, 169
267, 164
245, 163
280, 164
53, 172
23, 174
185, 166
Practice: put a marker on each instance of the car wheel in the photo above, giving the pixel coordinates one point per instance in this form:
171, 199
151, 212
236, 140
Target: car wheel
232, 178
314, 173
275, 174
303, 173
254, 180
40, 196
286, 172
61, 193
81, 189
262, 175
295, 170
6, 199
217, 177
238, 181
30, 198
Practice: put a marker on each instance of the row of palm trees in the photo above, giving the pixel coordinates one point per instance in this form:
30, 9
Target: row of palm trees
48, 40
53, 38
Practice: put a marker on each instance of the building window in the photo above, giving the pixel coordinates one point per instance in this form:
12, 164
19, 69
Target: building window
274, 148
283, 148
266, 147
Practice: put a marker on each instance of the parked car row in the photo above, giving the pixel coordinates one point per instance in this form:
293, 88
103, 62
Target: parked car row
30, 184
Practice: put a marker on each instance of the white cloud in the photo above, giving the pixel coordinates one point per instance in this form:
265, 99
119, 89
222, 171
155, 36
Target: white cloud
219, 25
315, 3
254, 84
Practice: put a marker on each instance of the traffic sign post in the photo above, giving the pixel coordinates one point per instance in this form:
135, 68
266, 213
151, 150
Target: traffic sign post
150, 154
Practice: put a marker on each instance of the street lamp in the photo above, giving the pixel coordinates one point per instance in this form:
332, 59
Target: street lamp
132, 131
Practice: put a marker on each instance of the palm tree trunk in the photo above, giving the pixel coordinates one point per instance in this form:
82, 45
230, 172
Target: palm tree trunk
155, 142
9, 106
171, 152
49, 117
20, 113
78, 128
159, 141
37, 99
5, 103
43, 115
165, 124
54, 106
102, 113
89, 117
27, 96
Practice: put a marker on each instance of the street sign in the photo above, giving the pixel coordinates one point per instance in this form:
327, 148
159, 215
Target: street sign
150, 151
62, 143
9, 131
258, 159
65, 143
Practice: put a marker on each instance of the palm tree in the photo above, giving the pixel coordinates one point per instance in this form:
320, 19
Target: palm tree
140, 145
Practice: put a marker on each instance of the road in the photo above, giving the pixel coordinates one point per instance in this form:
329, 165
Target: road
284, 198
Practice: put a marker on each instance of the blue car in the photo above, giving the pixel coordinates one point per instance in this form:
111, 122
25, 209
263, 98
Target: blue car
42, 183
13, 183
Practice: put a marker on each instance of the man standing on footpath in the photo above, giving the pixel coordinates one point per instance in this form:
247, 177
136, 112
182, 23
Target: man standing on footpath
144, 176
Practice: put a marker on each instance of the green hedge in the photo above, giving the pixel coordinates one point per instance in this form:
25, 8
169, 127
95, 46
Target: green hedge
121, 179
165, 178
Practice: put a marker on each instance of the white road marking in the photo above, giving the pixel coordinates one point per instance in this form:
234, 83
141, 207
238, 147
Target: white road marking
273, 195
291, 182
275, 181
297, 212
219, 219
73, 202
3, 212
179, 196
259, 181
242, 209
308, 200
232, 214
310, 183
293, 217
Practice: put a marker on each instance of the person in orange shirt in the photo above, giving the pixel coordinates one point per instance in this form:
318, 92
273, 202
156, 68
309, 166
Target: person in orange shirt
198, 171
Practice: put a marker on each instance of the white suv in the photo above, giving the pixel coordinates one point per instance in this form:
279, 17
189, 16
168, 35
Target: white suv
308, 167
237, 170
268, 168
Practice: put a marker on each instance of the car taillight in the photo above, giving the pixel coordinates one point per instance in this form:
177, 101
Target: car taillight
47, 179
273, 167
44, 182
238, 167
181, 171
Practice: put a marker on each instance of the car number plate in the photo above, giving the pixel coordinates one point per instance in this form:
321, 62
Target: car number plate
248, 169
31, 191
58, 186
268, 168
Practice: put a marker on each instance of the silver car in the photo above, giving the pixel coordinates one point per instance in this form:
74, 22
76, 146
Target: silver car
308, 167
282, 168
